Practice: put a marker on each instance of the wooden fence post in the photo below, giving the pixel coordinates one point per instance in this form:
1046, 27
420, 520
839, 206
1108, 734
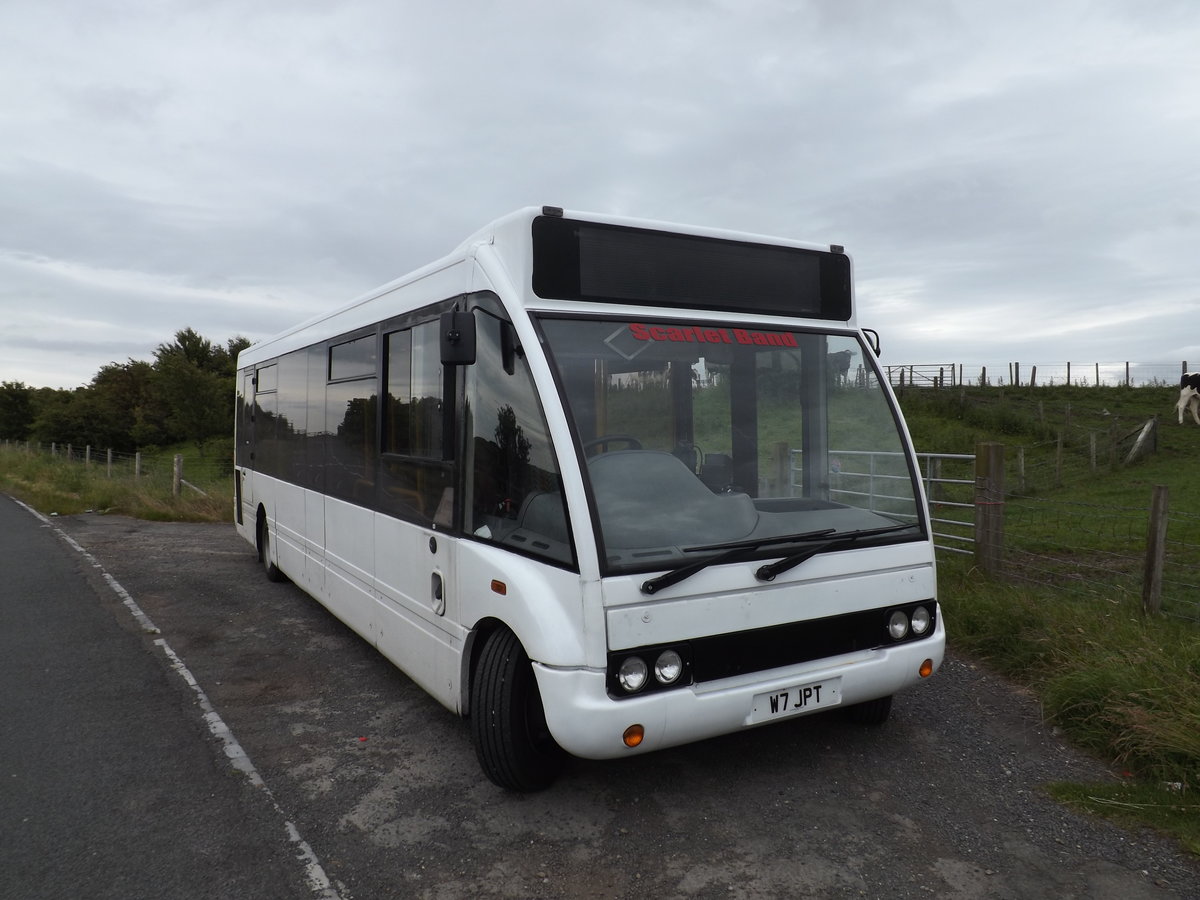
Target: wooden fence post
1146, 441
989, 507
177, 475
1156, 545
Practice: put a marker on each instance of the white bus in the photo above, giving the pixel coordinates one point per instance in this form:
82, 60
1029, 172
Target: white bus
602, 486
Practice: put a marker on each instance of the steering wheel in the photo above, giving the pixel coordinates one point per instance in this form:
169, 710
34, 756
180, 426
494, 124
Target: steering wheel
605, 439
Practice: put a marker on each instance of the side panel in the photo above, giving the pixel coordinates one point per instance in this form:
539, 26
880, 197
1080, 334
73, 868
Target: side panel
314, 533
541, 603
289, 531
349, 564
416, 613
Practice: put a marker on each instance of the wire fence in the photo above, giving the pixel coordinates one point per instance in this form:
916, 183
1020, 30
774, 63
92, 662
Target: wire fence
162, 472
1095, 550
1111, 374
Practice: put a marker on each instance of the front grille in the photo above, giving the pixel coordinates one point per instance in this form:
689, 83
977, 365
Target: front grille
726, 655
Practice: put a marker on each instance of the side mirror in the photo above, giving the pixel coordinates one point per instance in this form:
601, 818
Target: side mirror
872, 339
458, 338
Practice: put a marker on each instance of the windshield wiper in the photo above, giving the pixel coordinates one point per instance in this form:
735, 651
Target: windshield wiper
844, 539
732, 553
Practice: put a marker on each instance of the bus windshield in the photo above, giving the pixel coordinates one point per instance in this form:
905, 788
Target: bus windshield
701, 437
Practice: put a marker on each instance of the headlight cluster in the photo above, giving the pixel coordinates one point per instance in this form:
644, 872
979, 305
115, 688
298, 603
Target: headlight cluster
631, 673
909, 622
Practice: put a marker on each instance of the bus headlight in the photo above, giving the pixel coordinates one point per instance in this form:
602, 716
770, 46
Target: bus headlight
898, 624
920, 620
668, 667
632, 674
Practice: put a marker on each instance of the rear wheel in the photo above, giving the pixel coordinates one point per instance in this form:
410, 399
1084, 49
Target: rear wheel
264, 552
508, 726
873, 712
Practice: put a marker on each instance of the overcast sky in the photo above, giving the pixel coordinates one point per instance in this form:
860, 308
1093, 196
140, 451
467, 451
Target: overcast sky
1016, 181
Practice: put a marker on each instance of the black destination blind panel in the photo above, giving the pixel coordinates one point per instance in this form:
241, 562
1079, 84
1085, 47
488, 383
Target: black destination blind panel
574, 260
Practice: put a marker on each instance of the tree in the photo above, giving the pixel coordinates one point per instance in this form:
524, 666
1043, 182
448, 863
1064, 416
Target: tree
186, 394
194, 381
16, 411
126, 394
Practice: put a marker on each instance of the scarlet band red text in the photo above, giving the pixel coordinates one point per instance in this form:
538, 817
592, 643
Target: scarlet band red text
694, 334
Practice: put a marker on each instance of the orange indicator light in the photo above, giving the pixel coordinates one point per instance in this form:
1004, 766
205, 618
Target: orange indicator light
499, 587
633, 735
926, 668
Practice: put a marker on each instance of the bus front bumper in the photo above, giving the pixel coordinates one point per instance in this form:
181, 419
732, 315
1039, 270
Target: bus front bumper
586, 722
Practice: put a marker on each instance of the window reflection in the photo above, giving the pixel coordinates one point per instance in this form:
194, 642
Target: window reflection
514, 491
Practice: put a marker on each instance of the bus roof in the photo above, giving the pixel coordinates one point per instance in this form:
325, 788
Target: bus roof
509, 244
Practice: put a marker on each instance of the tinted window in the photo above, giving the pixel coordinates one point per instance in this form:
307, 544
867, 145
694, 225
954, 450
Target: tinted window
413, 411
350, 443
415, 481
352, 359
514, 491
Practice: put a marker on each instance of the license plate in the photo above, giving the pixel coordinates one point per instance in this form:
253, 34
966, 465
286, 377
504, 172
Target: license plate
794, 700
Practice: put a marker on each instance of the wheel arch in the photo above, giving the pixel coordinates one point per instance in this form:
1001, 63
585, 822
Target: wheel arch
472, 651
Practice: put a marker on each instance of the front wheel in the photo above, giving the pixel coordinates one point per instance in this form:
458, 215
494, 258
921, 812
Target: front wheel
508, 725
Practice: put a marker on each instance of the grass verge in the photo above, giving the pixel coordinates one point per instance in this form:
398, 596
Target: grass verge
1119, 685
55, 485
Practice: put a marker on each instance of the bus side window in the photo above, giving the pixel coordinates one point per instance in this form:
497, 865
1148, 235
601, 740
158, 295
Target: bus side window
350, 399
513, 487
415, 481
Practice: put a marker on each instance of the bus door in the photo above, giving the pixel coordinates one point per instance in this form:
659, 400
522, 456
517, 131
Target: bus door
245, 442
413, 553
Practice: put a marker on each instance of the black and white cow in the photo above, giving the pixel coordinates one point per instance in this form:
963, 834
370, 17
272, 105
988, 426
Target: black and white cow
839, 366
1189, 396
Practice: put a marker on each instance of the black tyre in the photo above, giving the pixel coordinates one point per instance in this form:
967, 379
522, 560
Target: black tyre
873, 712
508, 726
264, 552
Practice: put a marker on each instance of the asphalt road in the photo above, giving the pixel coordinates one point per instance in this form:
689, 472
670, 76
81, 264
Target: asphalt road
172, 725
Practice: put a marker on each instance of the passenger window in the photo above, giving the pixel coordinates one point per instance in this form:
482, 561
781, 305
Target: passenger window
350, 449
413, 415
415, 481
352, 359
